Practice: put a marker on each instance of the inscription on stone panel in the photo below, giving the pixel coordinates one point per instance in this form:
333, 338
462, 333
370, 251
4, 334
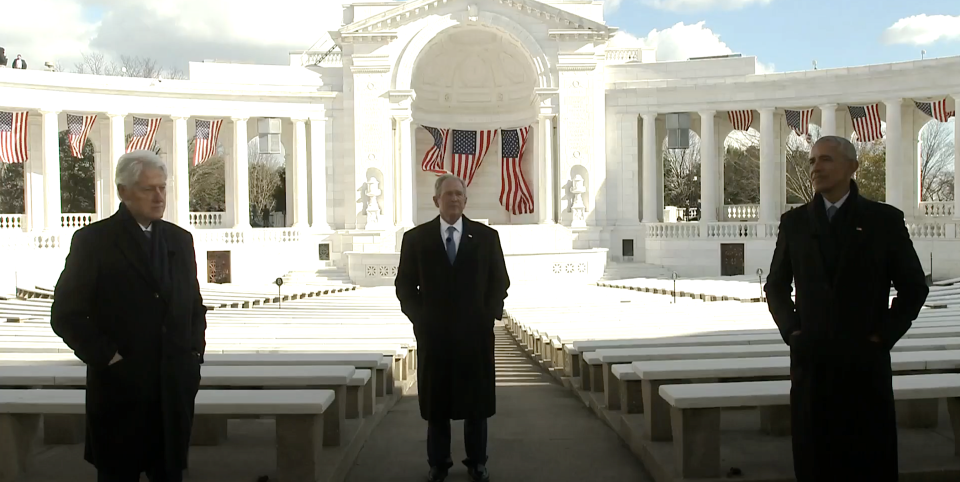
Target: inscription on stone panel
370, 119
576, 121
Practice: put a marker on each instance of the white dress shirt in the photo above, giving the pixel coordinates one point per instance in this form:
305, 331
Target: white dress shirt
457, 233
146, 229
839, 203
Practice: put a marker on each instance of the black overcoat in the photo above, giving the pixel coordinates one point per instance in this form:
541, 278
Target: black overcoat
122, 292
843, 417
453, 310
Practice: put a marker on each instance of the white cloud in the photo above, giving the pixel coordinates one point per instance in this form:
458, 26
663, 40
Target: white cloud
681, 42
700, 5
923, 29
49, 28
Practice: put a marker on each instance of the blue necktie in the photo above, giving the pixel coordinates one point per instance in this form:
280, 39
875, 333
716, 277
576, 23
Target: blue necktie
832, 210
451, 246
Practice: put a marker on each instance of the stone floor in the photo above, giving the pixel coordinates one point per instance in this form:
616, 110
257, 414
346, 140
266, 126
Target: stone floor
541, 432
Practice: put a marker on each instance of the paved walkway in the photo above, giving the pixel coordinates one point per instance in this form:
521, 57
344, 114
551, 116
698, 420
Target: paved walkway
541, 432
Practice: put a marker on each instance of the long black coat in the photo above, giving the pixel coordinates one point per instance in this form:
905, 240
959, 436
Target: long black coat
843, 417
122, 292
453, 310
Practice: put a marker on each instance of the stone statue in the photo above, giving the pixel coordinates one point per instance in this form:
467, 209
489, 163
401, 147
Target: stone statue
373, 208
578, 208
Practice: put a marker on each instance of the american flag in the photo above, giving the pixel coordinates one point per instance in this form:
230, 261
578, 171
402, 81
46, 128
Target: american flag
936, 109
13, 136
143, 132
799, 121
205, 141
78, 126
469, 147
433, 159
515, 193
866, 121
741, 119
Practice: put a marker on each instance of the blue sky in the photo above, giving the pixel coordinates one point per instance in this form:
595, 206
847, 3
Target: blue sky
790, 34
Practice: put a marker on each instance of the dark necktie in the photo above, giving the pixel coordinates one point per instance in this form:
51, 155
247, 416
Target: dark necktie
148, 234
451, 246
831, 211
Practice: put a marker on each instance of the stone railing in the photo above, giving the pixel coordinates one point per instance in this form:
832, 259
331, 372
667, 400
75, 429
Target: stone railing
745, 212
734, 230
207, 220
937, 209
250, 236
933, 230
624, 55
11, 221
76, 220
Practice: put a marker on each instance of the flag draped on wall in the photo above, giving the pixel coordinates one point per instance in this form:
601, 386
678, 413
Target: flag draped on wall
866, 121
741, 119
433, 159
13, 136
515, 194
144, 130
799, 121
205, 140
78, 126
936, 109
469, 147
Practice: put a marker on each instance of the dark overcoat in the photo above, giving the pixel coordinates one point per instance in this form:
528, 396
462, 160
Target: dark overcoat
121, 291
453, 309
843, 417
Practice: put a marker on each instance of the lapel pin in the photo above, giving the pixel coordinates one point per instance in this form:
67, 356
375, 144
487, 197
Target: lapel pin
859, 228
469, 235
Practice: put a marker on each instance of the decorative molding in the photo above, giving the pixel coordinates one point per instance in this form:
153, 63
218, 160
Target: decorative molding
380, 271
370, 69
584, 67
365, 38
573, 34
570, 268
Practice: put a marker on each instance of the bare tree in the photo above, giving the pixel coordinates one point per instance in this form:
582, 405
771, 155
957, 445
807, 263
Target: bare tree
96, 63
207, 186
936, 160
264, 179
799, 185
681, 168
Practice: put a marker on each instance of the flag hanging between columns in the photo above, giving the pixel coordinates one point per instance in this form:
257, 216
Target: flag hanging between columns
515, 194
936, 109
433, 159
13, 136
78, 126
741, 119
205, 140
143, 132
866, 121
799, 121
469, 147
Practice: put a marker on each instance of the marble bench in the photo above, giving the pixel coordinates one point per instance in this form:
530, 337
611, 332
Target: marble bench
301, 416
695, 412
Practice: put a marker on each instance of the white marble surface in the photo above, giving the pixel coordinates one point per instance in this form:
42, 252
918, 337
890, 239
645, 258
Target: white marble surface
211, 376
208, 402
359, 378
624, 372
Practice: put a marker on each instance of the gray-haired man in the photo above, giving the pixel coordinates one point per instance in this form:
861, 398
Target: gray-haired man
128, 303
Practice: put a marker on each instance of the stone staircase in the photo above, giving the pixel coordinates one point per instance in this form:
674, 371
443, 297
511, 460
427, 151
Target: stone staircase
327, 275
615, 271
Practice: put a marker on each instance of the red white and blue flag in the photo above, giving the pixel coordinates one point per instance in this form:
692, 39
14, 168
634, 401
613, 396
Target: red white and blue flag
78, 126
433, 159
515, 194
205, 140
144, 130
866, 122
469, 147
799, 121
936, 109
741, 119
13, 137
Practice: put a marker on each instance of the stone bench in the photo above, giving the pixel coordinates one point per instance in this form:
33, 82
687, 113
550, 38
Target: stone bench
301, 417
623, 393
208, 430
361, 395
695, 412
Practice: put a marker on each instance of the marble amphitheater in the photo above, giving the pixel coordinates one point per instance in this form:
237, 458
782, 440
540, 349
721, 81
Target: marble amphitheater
623, 353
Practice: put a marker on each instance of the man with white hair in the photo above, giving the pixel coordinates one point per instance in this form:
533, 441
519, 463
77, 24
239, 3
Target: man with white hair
128, 303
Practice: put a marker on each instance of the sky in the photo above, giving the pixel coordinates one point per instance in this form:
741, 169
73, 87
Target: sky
784, 35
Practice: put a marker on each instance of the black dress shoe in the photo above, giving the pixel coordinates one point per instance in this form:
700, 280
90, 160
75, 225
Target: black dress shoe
478, 473
436, 474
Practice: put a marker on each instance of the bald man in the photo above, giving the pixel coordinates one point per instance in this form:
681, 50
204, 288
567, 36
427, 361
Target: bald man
842, 251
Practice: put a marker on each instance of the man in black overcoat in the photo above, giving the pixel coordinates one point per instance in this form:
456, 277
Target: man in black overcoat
451, 284
842, 252
128, 303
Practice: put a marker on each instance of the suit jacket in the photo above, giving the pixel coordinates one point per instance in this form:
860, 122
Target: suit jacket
19, 64
843, 271
121, 292
453, 309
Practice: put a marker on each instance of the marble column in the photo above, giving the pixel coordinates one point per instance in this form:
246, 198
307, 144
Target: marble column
50, 159
956, 163
298, 176
709, 167
239, 180
548, 184
895, 193
178, 198
769, 170
115, 149
650, 178
406, 202
828, 120
318, 173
